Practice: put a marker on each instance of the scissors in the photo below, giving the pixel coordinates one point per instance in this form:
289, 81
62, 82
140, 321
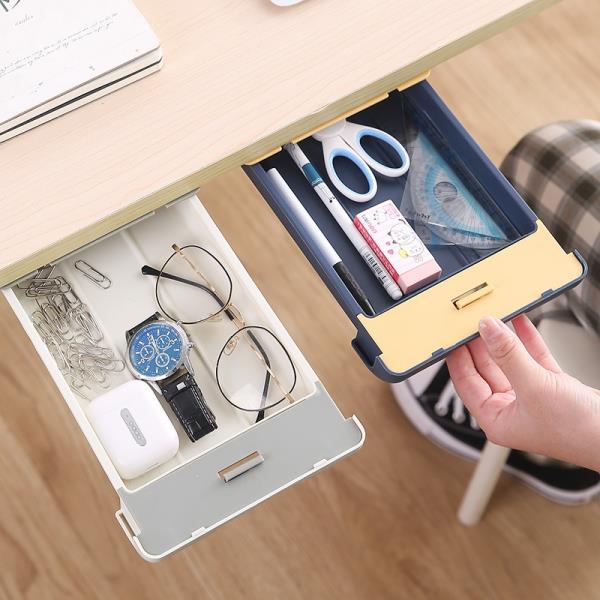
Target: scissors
344, 139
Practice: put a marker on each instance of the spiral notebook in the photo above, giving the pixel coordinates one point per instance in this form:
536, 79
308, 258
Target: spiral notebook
57, 56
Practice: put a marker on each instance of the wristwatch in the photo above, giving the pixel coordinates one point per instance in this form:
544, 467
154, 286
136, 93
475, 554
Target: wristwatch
158, 352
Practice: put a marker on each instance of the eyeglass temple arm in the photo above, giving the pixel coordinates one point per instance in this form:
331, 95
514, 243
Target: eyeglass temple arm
148, 270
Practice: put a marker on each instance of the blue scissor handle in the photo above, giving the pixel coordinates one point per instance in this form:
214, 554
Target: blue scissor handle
353, 135
335, 147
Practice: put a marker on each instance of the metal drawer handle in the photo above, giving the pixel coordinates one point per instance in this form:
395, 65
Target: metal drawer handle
241, 466
473, 294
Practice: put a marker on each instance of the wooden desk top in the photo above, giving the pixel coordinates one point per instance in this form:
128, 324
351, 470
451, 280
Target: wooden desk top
240, 78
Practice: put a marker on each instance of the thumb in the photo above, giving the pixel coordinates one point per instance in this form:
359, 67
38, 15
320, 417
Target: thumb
509, 353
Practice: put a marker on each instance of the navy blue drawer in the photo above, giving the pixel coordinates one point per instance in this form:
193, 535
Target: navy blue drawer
390, 343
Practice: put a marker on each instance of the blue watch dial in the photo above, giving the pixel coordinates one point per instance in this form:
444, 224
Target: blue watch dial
156, 349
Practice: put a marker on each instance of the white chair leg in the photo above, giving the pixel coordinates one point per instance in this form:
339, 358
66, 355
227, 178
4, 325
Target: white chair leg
482, 484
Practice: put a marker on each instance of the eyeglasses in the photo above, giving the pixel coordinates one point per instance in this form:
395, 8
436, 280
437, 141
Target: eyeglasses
254, 370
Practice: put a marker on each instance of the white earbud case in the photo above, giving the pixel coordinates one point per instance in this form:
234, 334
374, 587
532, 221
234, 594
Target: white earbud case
133, 428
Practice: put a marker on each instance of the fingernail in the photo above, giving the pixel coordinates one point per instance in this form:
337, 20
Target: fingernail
491, 329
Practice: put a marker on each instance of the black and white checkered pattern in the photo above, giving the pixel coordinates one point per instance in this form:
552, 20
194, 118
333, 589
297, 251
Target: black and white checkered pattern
556, 169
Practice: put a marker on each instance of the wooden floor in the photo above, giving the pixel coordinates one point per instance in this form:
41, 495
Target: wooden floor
378, 525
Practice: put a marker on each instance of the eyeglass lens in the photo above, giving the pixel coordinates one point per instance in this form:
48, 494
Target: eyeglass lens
193, 286
254, 370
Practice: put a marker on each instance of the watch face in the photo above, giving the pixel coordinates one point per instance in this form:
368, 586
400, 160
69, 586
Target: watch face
156, 350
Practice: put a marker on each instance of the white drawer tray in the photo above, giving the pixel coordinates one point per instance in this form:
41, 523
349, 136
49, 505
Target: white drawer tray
173, 504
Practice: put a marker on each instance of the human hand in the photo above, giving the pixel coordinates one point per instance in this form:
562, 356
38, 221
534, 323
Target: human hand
510, 382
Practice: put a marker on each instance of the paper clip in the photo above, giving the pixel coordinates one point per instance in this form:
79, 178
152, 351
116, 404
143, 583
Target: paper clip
70, 331
92, 274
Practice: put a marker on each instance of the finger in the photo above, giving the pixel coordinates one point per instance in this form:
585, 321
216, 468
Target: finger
509, 353
468, 383
487, 368
534, 343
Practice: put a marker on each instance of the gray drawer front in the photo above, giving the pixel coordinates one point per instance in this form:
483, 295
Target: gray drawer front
179, 506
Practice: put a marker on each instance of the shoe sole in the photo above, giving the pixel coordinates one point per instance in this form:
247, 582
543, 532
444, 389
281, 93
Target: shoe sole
411, 407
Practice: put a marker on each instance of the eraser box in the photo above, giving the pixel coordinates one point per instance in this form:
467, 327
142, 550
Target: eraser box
522, 268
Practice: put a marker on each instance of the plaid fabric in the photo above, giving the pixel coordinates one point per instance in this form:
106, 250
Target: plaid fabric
557, 171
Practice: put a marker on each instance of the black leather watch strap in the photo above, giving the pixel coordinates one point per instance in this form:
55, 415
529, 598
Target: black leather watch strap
185, 398
129, 334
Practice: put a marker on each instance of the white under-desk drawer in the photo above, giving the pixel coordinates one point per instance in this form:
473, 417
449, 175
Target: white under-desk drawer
173, 504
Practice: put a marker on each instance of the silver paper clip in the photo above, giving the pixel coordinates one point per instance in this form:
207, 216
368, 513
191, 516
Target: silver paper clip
92, 274
70, 331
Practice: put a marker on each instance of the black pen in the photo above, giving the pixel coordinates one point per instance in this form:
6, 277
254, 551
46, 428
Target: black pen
320, 241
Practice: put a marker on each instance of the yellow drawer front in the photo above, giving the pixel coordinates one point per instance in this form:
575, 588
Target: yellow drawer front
449, 312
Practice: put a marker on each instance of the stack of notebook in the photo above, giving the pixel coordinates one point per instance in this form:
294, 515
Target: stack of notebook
56, 56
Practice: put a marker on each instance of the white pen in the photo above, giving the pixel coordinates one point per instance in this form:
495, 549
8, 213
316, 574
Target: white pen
343, 220
316, 238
